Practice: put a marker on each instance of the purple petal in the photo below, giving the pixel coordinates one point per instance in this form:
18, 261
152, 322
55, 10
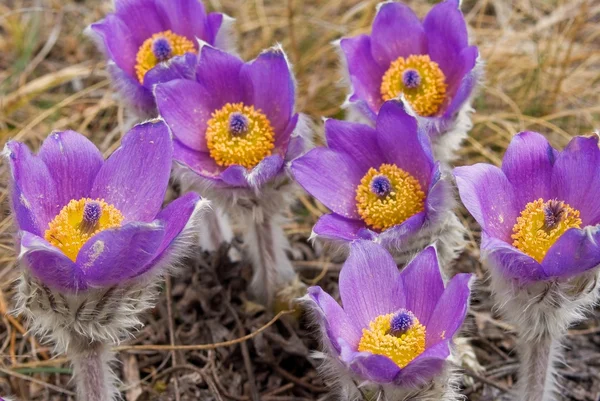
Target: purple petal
527, 164
423, 284
180, 67
119, 42
200, 162
283, 140
34, 195
488, 195
186, 107
575, 252
265, 171
115, 255
576, 176
511, 262
402, 143
74, 162
174, 217
186, 17
377, 368
269, 86
335, 321
50, 265
440, 194
143, 17
219, 73
135, 177
463, 82
335, 227
331, 177
425, 366
447, 36
370, 283
235, 176
136, 96
397, 32
215, 27
359, 141
365, 73
451, 309
399, 236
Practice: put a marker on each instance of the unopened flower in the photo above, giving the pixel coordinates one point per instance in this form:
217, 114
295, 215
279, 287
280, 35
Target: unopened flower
381, 183
429, 64
151, 41
93, 239
234, 128
394, 328
539, 214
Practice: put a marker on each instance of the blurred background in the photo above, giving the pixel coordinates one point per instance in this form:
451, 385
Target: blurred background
542, 73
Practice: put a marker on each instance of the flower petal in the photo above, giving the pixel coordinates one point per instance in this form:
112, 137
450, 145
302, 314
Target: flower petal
402, 143
269, 86
143, 17
359, 141
135, 95
447, 36
365, 73
331, 177
74, 161
265, 171
425, 366
440, 195
397, 32
399, 236
370, 283
135, 177
186, 107
511, 262
576, 176
575, 251
34, 195
377, 368
336, 227
199, 162
335, 321
115, 255
528, 164
219, 73
50, 265
174, 217
423, 284
489, 197
180, 67
451, 309
462, 84
186, 17
119, 42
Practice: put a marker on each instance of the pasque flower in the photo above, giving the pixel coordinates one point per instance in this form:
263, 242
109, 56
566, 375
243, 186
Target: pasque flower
381, 183
429, 64
539, 214
234, 128
93, 239
152, 41
393, 328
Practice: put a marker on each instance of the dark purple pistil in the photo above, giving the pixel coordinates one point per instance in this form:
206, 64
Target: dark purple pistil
554, 212
401, 322
91, 216
161, 49
238, 124
411, 79
381, 185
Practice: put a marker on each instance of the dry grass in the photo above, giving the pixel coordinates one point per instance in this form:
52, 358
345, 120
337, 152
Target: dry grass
543, 73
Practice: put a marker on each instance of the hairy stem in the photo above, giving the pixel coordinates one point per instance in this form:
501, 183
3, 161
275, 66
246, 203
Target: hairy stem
216, 230
266, 247
93, 376
536, 378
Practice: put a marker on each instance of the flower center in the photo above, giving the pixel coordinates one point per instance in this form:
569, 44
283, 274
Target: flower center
399, 336
420, 80
160, 47
78, 221
388, 196
239, 134
541, 224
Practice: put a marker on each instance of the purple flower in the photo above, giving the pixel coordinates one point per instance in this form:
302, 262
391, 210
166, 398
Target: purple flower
381, 183
429, 63
394, 327
152, 41
233, 126
539, 212
85, 222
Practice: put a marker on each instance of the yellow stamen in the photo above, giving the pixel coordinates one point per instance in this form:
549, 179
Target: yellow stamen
403, 201
541, 224
146, 59
427, 97
401, 349
69, 230
246, 143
